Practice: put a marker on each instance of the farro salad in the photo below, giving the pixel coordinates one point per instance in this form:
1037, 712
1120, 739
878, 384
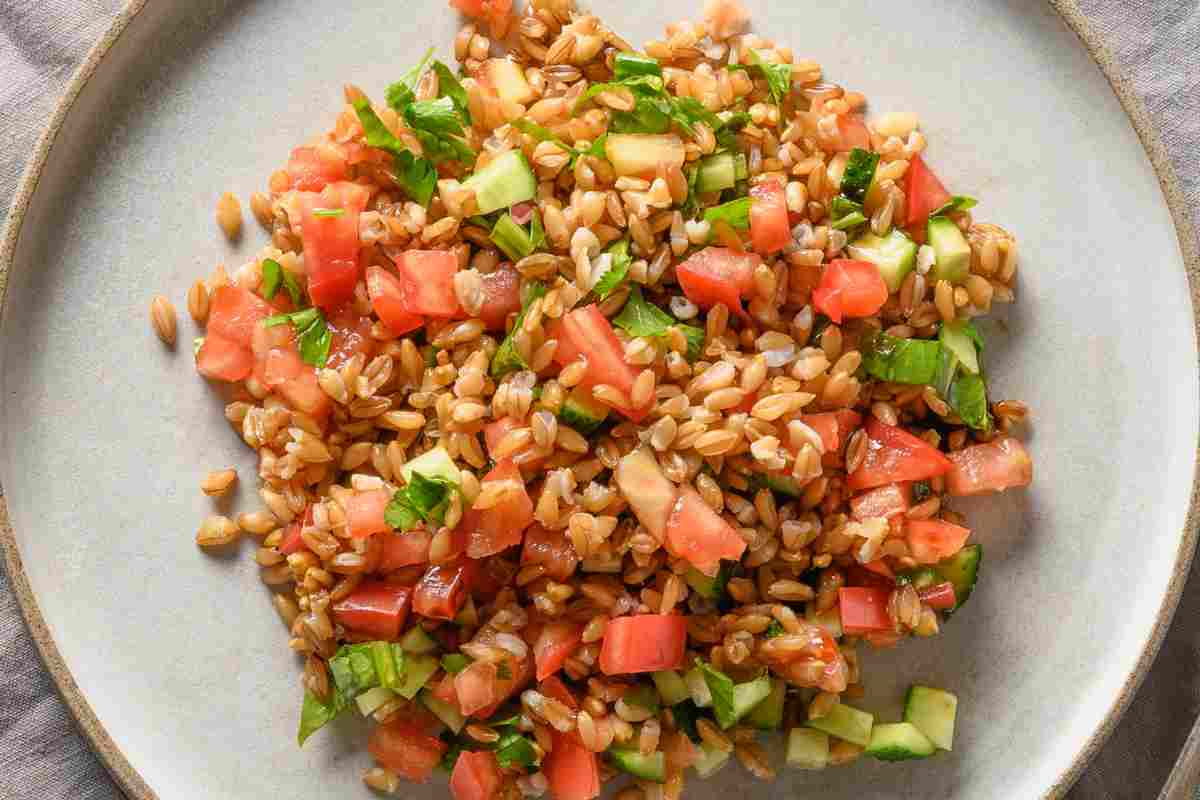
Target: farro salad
605, 402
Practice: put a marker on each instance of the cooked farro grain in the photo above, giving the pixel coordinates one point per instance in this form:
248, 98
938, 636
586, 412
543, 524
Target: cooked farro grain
536, 469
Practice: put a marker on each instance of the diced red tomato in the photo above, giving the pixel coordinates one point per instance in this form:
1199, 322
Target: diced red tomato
939, 596
351, 336
718, 275
491, 10
923, 191
834, 427
331, 242
443, 589
552, 549
444, 690
483, 686
850, 289
993, 467
312, 168
864, 609
364, 512
404, 549
884, 501
586, 331
406, 749
501, 526
476, 776
427, 282
286, 372
224, 359
769, 229
234, 314
931, 540
554, 645
679, 749
387, 299
502, 296
699, 534
374, 608
645, 643
495, 431
572, 770
894, 455
292, 542
554, 687
475, 686
854, 133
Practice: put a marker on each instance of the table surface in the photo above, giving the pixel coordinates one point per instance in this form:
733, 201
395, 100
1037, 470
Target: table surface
42, 754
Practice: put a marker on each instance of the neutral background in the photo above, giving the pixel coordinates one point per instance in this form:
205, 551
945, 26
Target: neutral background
42, 42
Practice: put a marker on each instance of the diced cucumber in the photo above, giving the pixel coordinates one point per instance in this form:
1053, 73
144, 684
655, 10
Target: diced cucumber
952, 253
748, 695
626, 65
372, 699
768, 715
582, 412
418, 669
506, 181
388, 659
651, 767
508, 79
807, 748
741, 169
894, 254
717, 172
711, 759
932, 711
830, 619
712, 587
920, 578
961, 569
417, 641
698, 688
435, 463
955, 338
898, 741
642, 696
859, 172
846, 723
671, 687
449, 714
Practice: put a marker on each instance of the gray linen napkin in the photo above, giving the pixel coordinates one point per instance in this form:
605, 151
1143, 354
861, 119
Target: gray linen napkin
42, 41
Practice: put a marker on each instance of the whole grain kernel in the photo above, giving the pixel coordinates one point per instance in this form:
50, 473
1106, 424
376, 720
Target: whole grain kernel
162, 319
229, 215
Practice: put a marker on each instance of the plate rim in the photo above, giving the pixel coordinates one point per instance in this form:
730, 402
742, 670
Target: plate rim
134, 785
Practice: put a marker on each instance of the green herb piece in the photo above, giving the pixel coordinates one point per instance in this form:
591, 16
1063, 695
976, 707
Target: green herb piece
314, 335
720, 686
449, 86
417, 176
695, 341
968, 398
315, 713
329, 212
773, 629
845, 213
640, 85
435, 116
859, 172
503, 672
513, 749
610, 280
921, 491
691, 206
531, 128
197, 343
507, 359
627, 65
735, 213
537, 234
640, 317
779, 76
686, 714
957, 203
455, 748
402, 92
455, 663
597, 149
421, 500
913, 361
272, 276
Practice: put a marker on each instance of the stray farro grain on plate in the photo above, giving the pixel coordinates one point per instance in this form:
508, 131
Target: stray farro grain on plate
605, 402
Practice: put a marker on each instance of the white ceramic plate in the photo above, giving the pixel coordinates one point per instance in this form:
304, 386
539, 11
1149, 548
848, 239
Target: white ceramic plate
174, 660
